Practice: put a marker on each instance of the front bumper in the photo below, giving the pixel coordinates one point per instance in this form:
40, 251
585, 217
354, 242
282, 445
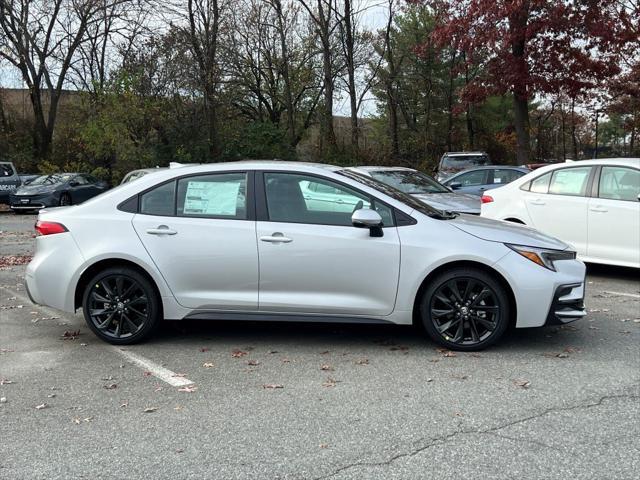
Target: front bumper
32, 202
567, 304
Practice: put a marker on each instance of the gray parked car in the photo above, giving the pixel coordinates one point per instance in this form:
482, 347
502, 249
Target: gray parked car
476, 181
424, 188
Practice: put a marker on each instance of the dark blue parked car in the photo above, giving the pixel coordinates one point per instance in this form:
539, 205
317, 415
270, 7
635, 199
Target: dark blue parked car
476, 181
58, 189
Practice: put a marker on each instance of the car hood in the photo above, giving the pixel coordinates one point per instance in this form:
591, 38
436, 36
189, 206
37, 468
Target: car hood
506, 232
454, 202
35, 189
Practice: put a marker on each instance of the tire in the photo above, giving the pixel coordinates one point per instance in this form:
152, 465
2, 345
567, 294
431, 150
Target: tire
478, 315
112, 293
65, 200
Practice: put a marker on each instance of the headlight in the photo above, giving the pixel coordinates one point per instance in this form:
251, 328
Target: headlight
543, 256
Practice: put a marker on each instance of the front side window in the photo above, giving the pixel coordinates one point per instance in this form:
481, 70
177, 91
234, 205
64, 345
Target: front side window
6, 170
159, 201
570, 181
294, 198
619, 183
219, 195
81, 180
479, 177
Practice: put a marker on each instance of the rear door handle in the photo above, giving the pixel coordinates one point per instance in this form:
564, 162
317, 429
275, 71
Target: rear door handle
598, 209
161, 230
276, 237
537, 202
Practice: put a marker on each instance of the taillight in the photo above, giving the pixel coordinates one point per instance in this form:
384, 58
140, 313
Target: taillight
49, 228
486, 199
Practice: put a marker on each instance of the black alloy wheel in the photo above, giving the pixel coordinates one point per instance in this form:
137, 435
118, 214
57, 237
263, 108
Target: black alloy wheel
65, 200
121, 306
465, 309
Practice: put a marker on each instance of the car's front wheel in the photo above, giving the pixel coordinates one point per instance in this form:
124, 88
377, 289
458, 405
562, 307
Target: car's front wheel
465, 309
121, 306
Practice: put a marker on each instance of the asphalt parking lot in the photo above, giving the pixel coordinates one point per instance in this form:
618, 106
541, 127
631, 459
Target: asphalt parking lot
269, 401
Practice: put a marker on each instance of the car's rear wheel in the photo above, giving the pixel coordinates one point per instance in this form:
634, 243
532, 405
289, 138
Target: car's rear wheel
465, 309
121, 306
65, 199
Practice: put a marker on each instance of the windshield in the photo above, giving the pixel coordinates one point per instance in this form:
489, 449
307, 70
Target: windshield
408, 181
464, 161
51, 179
398, 195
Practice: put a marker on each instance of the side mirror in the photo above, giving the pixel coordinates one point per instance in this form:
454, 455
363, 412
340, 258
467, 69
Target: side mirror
73, 183
367, 218
455, 185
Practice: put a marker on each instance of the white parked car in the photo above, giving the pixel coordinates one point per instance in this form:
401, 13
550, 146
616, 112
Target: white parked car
255, 241
594, 205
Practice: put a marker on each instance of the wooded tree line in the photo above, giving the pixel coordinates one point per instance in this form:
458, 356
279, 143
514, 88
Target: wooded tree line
212, 80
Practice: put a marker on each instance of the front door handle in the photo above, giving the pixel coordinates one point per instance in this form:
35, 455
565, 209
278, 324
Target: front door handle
537, 202
276, 237
598, 209
161, 230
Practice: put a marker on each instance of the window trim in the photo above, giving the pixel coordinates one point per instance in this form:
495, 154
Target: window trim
595, 190
250, 197
262, 211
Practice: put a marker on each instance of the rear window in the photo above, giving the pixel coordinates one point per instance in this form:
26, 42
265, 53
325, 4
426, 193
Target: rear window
464, 161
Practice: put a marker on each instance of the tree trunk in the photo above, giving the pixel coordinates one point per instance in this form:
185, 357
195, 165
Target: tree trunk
574, 139
288, 95
521, 121
326, 124
351, 77
518, 25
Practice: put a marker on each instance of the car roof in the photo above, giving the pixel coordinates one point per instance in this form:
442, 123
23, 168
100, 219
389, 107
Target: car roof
254, 165
380, 168
461, 154
621, 162
521, 168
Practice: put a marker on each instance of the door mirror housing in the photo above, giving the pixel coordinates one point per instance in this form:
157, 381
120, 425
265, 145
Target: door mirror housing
367, 218
455, 185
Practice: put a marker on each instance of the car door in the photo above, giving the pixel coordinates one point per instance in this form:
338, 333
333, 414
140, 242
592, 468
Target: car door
614, 217
473, 182
96, 186
80, 188
312, 260
557, 204
200, 232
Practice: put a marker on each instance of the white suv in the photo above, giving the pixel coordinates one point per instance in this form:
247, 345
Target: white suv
262, 241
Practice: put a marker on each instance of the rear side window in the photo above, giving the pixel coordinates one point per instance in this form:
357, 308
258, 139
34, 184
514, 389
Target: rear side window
570, 181
159, 201
502, 176
619, 183
541, 184
222, 195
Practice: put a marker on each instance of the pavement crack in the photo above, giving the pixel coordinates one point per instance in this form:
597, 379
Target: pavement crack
489, 431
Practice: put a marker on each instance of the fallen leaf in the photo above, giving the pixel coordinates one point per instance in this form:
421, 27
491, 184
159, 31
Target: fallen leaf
3, 399
41, 406
179, 450
204, 349
429, 380
253, 363
208, 365
323, 445
188, 389
145, 374
150, 409
330, 382
51, 395
67, 335
326, 368
522, 383
562, 355
111, 386
272, 385
124, 405
5, 381
238, 353
286, 360
363, 361
325, 352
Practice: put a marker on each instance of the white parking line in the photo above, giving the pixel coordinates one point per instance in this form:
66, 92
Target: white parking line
622, 294
147, 365
156, 370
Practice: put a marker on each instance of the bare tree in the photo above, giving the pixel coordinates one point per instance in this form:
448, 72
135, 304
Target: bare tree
41, 40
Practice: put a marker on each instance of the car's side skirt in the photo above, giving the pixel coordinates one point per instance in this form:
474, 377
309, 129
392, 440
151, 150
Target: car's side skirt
282, 317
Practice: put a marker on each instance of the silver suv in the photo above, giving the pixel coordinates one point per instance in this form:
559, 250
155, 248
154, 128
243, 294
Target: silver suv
454, 162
